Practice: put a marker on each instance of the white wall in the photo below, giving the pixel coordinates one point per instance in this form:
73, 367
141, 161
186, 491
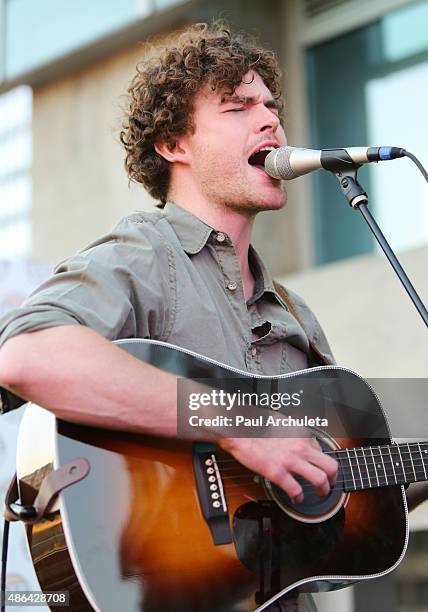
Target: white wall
372, 326
18, 278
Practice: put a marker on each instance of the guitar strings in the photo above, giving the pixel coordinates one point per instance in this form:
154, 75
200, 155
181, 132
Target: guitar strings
385, 447
363, 462
366, 465
245, 475
387, 469
355, 462
357, 482
351, 463
368, 474
339, 485
255, 494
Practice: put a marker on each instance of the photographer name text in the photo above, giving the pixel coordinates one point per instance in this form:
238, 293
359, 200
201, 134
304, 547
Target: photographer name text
262, 420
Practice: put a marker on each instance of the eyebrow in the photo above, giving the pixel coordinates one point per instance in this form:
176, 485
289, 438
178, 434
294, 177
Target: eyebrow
271, 103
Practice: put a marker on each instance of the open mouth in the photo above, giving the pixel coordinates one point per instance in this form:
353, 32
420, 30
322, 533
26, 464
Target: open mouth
258, 158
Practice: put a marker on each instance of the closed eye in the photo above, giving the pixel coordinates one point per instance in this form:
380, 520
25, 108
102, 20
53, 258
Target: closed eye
273, 110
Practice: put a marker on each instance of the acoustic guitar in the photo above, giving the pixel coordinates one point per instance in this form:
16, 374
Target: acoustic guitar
162, 525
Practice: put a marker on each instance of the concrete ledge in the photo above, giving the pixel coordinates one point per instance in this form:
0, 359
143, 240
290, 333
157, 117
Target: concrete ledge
371, 324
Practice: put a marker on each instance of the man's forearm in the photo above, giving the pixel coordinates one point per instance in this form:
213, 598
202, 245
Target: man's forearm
82, 377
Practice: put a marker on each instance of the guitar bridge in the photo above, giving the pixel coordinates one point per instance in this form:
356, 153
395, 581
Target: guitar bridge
209, 486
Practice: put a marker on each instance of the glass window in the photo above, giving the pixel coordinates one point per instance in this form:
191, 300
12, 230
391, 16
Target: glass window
370, 87
404, 32
163, 4
39, 32
398, 191
15, 173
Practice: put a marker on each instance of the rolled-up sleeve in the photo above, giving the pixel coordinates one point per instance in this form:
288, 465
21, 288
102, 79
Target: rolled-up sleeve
110, 286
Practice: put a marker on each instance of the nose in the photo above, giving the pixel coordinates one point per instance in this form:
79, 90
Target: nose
267, 120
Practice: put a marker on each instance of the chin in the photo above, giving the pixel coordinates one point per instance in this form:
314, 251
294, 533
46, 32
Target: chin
261, 199
272, 206
276, 202
259, 206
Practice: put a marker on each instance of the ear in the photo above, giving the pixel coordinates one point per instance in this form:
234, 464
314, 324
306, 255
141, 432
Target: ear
172, 152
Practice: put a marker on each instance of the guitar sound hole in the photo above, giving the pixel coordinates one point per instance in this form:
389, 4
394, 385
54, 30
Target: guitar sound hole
313, 505
313, 508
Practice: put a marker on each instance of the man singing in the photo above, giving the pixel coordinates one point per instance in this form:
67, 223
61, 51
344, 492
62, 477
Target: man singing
203, 114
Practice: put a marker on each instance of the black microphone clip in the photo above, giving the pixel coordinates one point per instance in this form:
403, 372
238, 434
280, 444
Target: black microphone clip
339, 160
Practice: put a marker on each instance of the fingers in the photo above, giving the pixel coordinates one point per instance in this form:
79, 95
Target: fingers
315, 476
280, 461
307, 460
285, 480
326, 464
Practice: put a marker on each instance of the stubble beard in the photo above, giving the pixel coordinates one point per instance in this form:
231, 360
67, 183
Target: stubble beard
234, 193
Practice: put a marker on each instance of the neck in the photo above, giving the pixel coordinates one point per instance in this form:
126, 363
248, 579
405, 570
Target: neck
381, 466
238, 225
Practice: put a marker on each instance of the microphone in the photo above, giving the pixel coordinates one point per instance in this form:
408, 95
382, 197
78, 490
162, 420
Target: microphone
290, 162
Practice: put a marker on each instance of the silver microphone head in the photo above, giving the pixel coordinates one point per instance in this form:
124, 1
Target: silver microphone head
277, 163
290, 162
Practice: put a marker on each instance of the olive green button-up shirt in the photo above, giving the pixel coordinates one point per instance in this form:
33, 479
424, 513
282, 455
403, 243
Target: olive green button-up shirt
168, 276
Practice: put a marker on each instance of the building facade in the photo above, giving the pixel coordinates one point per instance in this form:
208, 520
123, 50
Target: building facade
355, 73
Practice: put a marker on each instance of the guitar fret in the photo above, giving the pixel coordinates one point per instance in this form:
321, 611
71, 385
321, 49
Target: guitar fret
362, 466
383, 466
402, 463
399, 469
374, 465
422, 459
345, 472
367, 467
359, 471
418, 463
411, 459
425, 456
350, 465
392, 464
380, 466
414, 464
408, 463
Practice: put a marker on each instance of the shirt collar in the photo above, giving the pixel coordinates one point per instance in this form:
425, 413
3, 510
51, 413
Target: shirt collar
263, 279
191, 231
193, 235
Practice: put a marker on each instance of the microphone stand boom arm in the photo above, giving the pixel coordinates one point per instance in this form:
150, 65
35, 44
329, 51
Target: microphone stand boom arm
358, 200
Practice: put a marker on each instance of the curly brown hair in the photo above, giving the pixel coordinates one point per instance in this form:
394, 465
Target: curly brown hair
161, 94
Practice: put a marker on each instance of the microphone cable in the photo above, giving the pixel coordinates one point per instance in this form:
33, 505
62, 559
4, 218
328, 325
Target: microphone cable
6, 526
417, 163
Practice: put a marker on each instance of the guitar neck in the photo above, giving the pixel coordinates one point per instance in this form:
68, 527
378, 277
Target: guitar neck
370, 467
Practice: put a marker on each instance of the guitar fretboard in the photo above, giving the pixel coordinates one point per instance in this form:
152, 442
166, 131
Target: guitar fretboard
382, 466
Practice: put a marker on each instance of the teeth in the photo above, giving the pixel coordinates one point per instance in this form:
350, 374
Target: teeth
267, 148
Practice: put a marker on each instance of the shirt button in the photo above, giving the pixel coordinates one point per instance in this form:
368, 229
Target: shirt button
254, 351
231, 285
220, 237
